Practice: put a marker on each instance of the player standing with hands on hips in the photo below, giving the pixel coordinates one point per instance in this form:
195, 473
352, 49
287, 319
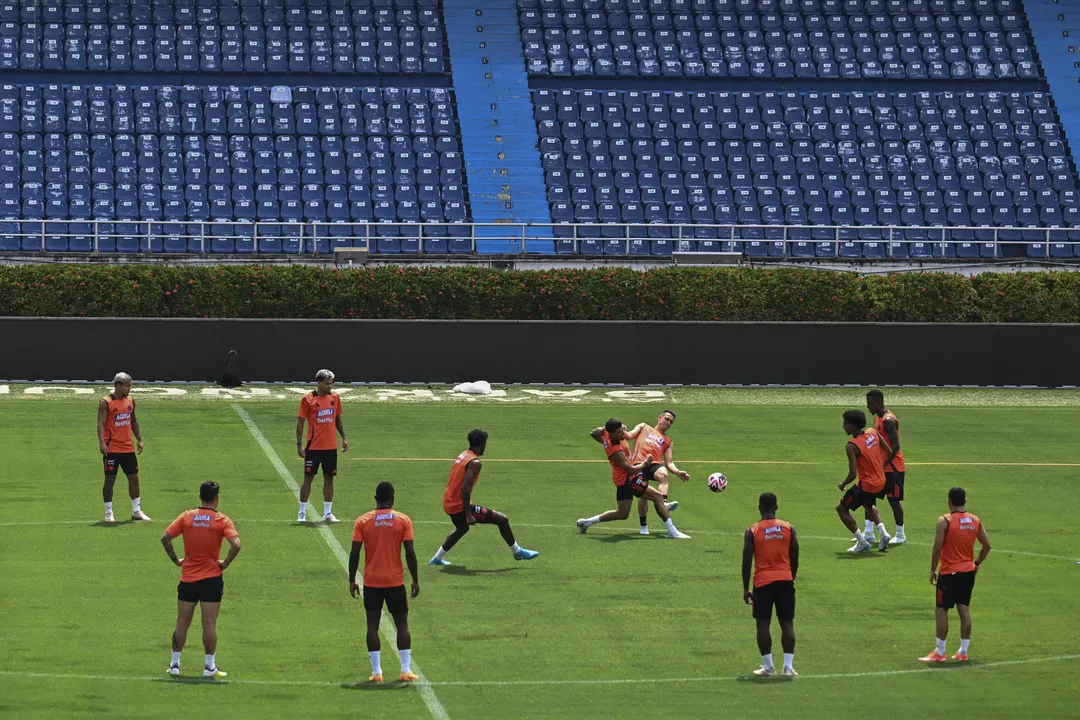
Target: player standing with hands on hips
116, 424
321, 408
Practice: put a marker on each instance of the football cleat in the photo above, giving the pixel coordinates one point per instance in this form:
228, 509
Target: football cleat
140, 515
789, 672
302, 517
678, 535
408, 677
330, 519
859, 547
933, 657
870, 538
644, 530
174, 670
897, 540
765, 672
439, 561
672, 506
959, 656
109, 518
375, 678
524, 554
214, 673
884, 544
582, 526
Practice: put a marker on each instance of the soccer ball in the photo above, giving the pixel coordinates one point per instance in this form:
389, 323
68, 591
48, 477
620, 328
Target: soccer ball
717, 482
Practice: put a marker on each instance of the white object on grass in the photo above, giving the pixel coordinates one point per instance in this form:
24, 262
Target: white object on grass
480, 387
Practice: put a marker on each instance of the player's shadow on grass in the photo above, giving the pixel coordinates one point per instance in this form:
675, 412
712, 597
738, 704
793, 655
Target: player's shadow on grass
466, 572
613, 538
118, 523
764, 680
845, 555
374, 687
191, 680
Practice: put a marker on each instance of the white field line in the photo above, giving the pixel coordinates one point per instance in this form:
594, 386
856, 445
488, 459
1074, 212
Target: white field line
956, 667
612, 529
386, 629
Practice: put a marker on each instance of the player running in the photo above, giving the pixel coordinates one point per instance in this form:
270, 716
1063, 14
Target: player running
888, 427
866, 455
321, 409
628, 478
458, 504
771, 547
200, 582
386, 531
653, 442
954, 545
116, 424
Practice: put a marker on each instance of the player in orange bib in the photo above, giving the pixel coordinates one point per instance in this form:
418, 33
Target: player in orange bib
116, 425
382, 533
888, 427
954, 546
866, 454
458, 504
200, 582
629, 480
772, 549
653, 443
321, 409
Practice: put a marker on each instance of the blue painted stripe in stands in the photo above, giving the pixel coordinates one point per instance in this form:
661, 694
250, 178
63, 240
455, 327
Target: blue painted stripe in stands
498, 133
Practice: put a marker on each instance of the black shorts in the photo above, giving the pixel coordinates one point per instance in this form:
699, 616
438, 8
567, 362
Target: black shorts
894, 485
209, 590
955, 589
480, 513
780, 594
635, 486
650, 470
128, 462
396, 599
856, 498
314, 458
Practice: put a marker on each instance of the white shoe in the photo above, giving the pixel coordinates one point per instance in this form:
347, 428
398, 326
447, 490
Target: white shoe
174, 670
302, 517
214, 673
109, 518
870, 538
789, 672
678, 535
884, 544
859, 547
643, 530
898, 540
140, 515
582, 526
765, 672
672, 506
329, 518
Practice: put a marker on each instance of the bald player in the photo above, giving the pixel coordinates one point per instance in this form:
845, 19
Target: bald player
653, 443
771, 547
116, 425
954, 547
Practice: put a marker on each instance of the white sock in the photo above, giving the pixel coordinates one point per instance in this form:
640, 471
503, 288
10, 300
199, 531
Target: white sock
964, 645
515, 547
440, 554
210, 662
326, 508
593, 520
376, 662
869, 527
108, 508
135, 502
881, 529
406, 660
860, 537
899, 531
940, 647
767, 661
303, 508
670, 526
175, 659
789, 658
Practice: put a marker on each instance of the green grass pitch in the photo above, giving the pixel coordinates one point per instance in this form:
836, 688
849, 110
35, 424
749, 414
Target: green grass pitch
604, 625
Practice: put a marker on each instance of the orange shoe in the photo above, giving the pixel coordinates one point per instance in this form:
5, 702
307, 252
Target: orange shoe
408, 677
933, 657
375, 678
962, 657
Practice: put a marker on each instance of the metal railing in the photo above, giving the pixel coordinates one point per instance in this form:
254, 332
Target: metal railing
320, 238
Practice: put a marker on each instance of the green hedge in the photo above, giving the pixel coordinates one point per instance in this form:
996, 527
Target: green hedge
304, 291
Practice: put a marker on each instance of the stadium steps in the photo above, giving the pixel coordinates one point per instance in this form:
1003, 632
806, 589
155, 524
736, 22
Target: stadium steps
498, 132
1055, 26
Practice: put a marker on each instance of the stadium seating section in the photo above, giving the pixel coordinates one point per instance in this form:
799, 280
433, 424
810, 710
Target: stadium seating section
873, 39
287, 126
